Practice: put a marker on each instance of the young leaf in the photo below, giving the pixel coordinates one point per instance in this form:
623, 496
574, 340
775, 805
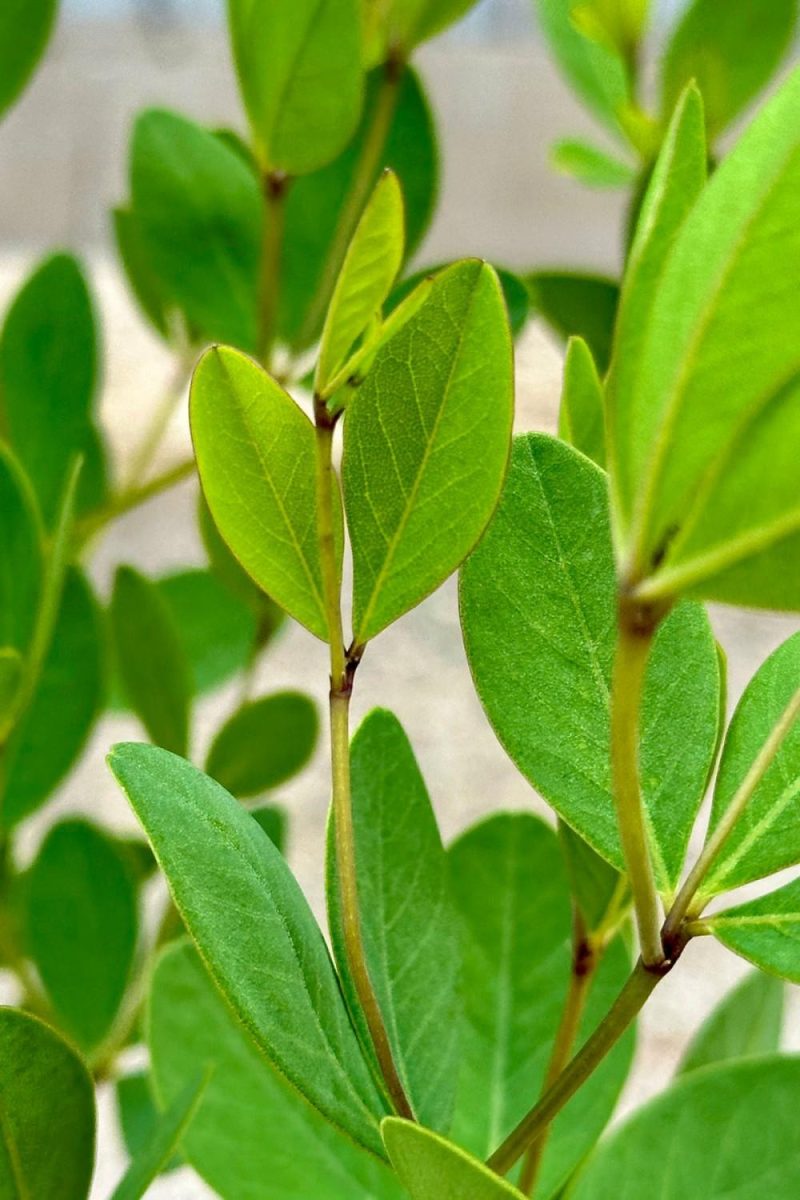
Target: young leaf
48, 351
151, 660
257, 462
81, 926
765, 931
47, 1104
576, 305
747, 1023
538, 611
253, 1136
408, 924
20, 554
138, 1115
591, 166
724, 1120
766, 837
169, 1131
52, 733
218, 631
581, 417
255, 931
198, 212
25, 27
264, 743
299, 69
717, 385
439, 396
434, 1169
511, 890
595, 71
365, 280
730, 50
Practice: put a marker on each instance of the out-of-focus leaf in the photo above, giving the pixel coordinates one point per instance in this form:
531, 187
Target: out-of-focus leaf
575, 305
166, 1134
217, 630
264, 743
138, 1114
746, 1023
20, 554
25, 27
596, 71
591, 166
144, 283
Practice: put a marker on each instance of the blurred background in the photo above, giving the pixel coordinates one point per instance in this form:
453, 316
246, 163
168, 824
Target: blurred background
499, 105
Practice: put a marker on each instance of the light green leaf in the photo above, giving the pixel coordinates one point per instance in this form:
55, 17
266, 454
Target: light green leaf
576, 305
51, 734
730, 50
255, 931
596, 72
300, 74
253, 1136
408, 923
138, 1115
257, 461
439, 396
515, 292
586, 163
47, 1104
152, 664
370, 267
581, 417
20, 555
538, 611
264, 743
400, 25
81, 928
48, 353
199, 214
714, 412
218, 631
747, 1023
434, 1169
724, 1120
169, 1131
25, 27
512, 894
765, 931
766, 837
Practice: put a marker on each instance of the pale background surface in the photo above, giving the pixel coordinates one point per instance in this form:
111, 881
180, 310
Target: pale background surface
499, 105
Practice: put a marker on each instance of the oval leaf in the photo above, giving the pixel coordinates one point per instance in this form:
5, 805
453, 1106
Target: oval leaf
217, 629
169, 1130
434, 1169
264, 743
745, 1024
575, 305
765, 931
25, 27
581, 417
20, 553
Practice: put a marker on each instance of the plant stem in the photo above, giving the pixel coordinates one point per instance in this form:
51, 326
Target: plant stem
741, 798
626, 1007
274, 189
343, 669
158, 426
585, 959
131, 498
367, 167
635, 635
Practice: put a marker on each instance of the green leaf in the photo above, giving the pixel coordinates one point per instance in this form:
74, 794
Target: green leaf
138, 1114
596, 72
10, 678
400, 25
170, 1128
300, 74
52, 733
273, 821
515, 293
20, 555
253, 1136
198, 211
591, 166
576, 305
511, 890
264, 743
370, 267
717, 387
217, 630
439, 395
244, 909
766, 838
47, 1104
257, 461
151, 660
145, 285
731, 51
595, 886
81, 928
25, 27
48, 368
746, 1023
765, 931
581, 417
538, 610
408, 923
313, 202
434, 1169
724, 1120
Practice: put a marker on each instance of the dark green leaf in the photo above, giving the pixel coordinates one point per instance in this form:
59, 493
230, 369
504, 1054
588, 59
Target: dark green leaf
589, 165
217, 630
10, 679
747, 1023
138, 1114
144, 283
25, 26
434, 1169
256, 932
273, 821
581, 417
20, 555
47, 1105
595, 886
264, 743
765, 931
407, 919
439, 395
575, 305
152, 663
168, 1132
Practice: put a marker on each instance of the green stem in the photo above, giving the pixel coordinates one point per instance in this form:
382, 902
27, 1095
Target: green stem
343, 668
634, 639
274, 190
131, 498
625, 1009
369, 163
